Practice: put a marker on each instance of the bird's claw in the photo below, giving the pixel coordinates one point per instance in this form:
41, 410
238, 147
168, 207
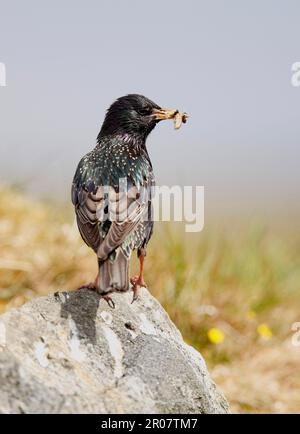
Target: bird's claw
138, 280
109, 301
93, 287
136, 294
137, 283
90, 286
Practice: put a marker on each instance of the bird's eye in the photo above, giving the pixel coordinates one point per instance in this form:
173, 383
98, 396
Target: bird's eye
145, 111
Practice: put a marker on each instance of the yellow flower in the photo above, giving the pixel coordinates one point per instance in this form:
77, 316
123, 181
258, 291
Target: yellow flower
251, 315
216, 336
264, 331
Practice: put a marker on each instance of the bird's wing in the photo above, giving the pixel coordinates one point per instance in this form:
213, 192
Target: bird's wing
91, 200
125, 221
86, 206
106, 218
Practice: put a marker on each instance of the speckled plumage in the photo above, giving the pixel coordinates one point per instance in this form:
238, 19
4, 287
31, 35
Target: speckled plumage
112, 159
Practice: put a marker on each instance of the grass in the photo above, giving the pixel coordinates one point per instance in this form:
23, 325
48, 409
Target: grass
234, 294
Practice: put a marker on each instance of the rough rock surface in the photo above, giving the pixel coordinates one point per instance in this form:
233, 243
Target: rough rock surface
68, 353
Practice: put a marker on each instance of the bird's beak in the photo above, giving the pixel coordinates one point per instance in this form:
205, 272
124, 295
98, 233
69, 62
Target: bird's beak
163, 114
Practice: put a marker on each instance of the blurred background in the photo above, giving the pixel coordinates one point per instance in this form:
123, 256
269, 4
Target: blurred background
233, 289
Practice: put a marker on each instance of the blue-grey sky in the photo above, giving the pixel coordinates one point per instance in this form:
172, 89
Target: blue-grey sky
227, 63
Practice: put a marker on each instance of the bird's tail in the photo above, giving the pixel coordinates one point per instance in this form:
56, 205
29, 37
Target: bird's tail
114, 273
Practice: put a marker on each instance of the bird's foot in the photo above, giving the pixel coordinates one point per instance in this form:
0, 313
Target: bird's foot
109, 301
93, 287
137, 283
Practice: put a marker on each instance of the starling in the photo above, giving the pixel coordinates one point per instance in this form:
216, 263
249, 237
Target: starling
112, 177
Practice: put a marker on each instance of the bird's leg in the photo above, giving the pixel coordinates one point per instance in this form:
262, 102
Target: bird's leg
138, 281
94, 286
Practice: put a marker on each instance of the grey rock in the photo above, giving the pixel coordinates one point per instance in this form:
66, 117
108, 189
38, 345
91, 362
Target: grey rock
72, 353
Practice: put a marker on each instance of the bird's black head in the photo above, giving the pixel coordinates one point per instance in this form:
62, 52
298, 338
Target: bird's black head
134, 115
